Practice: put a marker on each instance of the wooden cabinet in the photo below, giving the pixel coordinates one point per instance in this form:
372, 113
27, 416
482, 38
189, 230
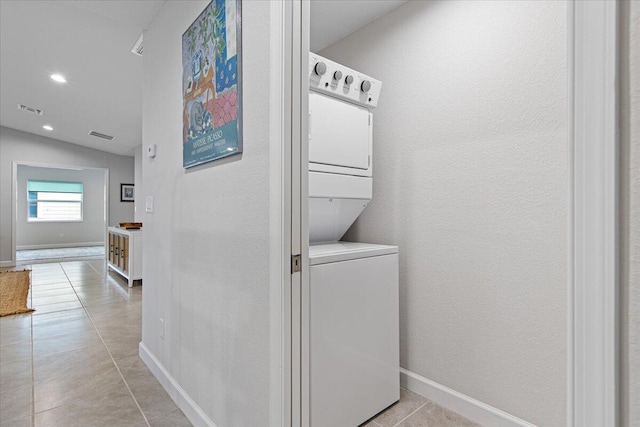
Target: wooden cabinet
124, 253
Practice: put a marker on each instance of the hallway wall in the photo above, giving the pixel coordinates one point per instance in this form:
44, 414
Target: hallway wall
25, 147
206, 245
470, 181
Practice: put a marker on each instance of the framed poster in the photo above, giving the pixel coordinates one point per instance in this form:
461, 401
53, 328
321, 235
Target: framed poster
212, 84
127, 193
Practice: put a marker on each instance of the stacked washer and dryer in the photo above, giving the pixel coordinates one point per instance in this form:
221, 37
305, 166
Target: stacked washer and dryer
354, 317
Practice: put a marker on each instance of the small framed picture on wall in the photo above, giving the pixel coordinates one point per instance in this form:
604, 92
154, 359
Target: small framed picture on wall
126, 193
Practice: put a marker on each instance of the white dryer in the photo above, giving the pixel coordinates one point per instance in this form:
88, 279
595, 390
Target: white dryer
353, 316
340, 147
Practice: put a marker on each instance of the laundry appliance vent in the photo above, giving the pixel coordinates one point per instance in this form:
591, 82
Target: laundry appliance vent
100, 135
31, 110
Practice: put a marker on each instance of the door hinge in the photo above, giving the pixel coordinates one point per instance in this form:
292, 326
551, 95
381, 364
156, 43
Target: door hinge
295, 263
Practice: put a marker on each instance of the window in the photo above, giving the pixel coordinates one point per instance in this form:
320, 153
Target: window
54, 201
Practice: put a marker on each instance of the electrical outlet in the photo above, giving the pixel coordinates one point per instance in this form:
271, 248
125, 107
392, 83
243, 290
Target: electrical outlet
162, 328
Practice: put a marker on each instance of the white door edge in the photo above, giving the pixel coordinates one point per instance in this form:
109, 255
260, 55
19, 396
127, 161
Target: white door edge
592, 392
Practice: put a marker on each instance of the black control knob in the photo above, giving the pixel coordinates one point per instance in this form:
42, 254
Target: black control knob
337, 75
365, 86
320, 68
348, 80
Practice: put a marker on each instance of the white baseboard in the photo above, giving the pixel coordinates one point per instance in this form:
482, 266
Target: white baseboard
7, 264
58, 245
190, 408
464, 405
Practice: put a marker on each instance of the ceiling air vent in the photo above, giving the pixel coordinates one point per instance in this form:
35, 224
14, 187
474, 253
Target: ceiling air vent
137, 48
31, 110
101, 135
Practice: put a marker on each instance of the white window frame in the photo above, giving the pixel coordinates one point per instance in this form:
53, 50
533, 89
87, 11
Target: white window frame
31, 219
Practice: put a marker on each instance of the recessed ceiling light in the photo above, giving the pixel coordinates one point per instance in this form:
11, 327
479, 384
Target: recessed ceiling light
58, 78
47, 127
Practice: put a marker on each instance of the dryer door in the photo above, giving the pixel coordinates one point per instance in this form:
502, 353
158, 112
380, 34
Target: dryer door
339, 133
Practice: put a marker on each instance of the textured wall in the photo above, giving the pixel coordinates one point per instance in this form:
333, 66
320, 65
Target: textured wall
630, 232
206, 248
90, 230
26, 147
470, 180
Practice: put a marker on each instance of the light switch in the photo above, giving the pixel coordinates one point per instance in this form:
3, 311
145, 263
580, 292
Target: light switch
148, 207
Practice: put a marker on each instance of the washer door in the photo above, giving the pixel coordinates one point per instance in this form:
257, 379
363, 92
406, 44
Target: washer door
339, 133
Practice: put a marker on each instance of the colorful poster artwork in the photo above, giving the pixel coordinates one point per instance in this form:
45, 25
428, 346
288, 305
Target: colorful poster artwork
211, 85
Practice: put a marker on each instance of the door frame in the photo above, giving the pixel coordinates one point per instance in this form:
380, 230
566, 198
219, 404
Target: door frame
593, 323
288, 159
300, 211
592, 283
14, 196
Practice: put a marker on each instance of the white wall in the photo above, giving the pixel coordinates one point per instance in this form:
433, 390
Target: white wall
137, 180
206, 245
62, 234
25, 147
630, 234
470, 181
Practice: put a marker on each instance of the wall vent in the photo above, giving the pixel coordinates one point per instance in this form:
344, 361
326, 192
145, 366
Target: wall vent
31, 110
100, 135
137, 48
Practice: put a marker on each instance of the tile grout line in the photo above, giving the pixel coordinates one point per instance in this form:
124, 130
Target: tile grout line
405, 418
109, 351
33, 403
33, 399
33, 375
94, 269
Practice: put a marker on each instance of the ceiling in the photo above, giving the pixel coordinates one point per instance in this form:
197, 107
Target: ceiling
332, 20
89, 42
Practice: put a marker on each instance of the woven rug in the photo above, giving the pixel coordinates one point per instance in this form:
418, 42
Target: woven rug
14, 289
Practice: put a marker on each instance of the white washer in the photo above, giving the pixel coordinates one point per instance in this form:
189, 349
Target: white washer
354, 332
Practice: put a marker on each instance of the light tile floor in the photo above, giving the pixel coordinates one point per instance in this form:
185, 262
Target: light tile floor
74, 361
414, 410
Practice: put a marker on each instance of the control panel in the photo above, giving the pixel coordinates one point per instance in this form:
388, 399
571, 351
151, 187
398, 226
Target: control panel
331, 78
